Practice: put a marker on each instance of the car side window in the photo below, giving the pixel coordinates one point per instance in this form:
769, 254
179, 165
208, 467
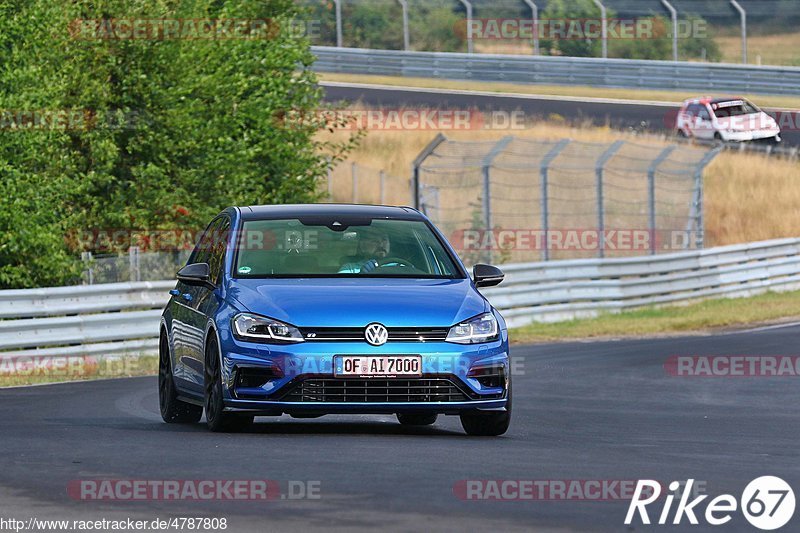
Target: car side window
219, 245
703, 113
691, 110
203, 248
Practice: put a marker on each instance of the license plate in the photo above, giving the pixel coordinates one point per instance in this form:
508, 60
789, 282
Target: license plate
378, 365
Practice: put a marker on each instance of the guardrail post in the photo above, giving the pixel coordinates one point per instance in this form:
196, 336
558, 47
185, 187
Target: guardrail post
543, 176
601, 218
651, 193
339, 36
406, 32
535, 15
415, 167
743, 17
674, 15
468, 5
604, 23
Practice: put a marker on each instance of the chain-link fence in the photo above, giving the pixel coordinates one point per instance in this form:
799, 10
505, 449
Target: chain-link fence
133, 266
518, 200
351, 183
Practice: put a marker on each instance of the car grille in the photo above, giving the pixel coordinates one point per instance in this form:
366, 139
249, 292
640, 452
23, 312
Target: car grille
375, 390
357, 334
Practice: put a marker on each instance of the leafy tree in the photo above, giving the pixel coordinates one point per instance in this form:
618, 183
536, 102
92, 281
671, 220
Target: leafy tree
170, 131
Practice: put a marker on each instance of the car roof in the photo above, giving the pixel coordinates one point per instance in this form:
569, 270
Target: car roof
267, 212
711, 99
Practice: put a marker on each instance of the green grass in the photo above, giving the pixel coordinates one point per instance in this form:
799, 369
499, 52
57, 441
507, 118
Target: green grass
706, 316
78, 369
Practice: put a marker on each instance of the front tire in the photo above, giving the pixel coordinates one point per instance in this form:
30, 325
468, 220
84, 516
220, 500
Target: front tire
216, 417
173, 410
488, 424
413, 419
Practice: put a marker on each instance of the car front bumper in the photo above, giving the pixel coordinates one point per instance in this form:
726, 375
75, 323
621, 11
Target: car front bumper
286, 367
755, 135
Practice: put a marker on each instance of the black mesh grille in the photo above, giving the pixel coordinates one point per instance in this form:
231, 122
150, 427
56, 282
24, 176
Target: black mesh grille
357, 334
375, 390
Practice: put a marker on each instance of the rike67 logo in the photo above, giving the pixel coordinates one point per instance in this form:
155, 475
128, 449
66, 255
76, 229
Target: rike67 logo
767, 503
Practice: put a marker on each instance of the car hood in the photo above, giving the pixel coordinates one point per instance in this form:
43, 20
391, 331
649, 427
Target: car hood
752, 122
358, 302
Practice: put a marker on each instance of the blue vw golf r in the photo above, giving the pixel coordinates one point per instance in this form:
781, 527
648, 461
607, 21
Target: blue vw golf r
309, 310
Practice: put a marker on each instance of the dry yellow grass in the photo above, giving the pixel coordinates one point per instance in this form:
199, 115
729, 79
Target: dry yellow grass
774, 49
748, 197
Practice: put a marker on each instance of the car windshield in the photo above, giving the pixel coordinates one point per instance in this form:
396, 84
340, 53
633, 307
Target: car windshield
316, 247
734, 108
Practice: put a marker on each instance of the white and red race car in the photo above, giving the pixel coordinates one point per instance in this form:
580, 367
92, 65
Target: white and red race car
726, 119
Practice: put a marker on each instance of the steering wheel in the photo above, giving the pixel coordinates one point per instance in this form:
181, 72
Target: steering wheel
395, 262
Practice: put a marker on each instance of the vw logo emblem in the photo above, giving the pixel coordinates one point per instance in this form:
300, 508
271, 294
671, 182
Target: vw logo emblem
376, 334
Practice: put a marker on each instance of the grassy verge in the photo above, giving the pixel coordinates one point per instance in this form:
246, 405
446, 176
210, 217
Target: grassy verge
77, 368
550, 90
704, 316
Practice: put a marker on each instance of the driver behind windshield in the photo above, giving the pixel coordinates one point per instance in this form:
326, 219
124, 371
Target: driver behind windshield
373, 247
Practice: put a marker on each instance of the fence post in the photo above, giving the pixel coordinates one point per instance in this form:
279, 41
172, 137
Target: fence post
133, 264
86, 257
543, 171
696, 210
415, 167
535, 14
487, 184
355, 182
330, 180
604, 23
743, 17
383, 187
674, 15
651, 193
406, 32
601, 219
339, 36
470, 44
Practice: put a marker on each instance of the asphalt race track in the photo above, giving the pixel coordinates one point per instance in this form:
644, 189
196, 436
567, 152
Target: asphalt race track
582, 411
652, 117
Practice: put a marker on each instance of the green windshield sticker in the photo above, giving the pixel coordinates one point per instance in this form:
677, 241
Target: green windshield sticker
244, 270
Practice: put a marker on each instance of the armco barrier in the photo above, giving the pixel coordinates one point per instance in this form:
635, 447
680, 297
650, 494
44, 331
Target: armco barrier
122, 318
545, 70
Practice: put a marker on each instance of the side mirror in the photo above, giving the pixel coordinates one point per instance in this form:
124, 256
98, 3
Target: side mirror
196, 274
487, 275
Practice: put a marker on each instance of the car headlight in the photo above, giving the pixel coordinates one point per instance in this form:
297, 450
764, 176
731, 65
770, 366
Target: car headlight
482, 328
257, 328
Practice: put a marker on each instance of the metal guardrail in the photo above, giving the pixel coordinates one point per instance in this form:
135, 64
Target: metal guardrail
123, 318
612, 73
99, 320
563, 290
